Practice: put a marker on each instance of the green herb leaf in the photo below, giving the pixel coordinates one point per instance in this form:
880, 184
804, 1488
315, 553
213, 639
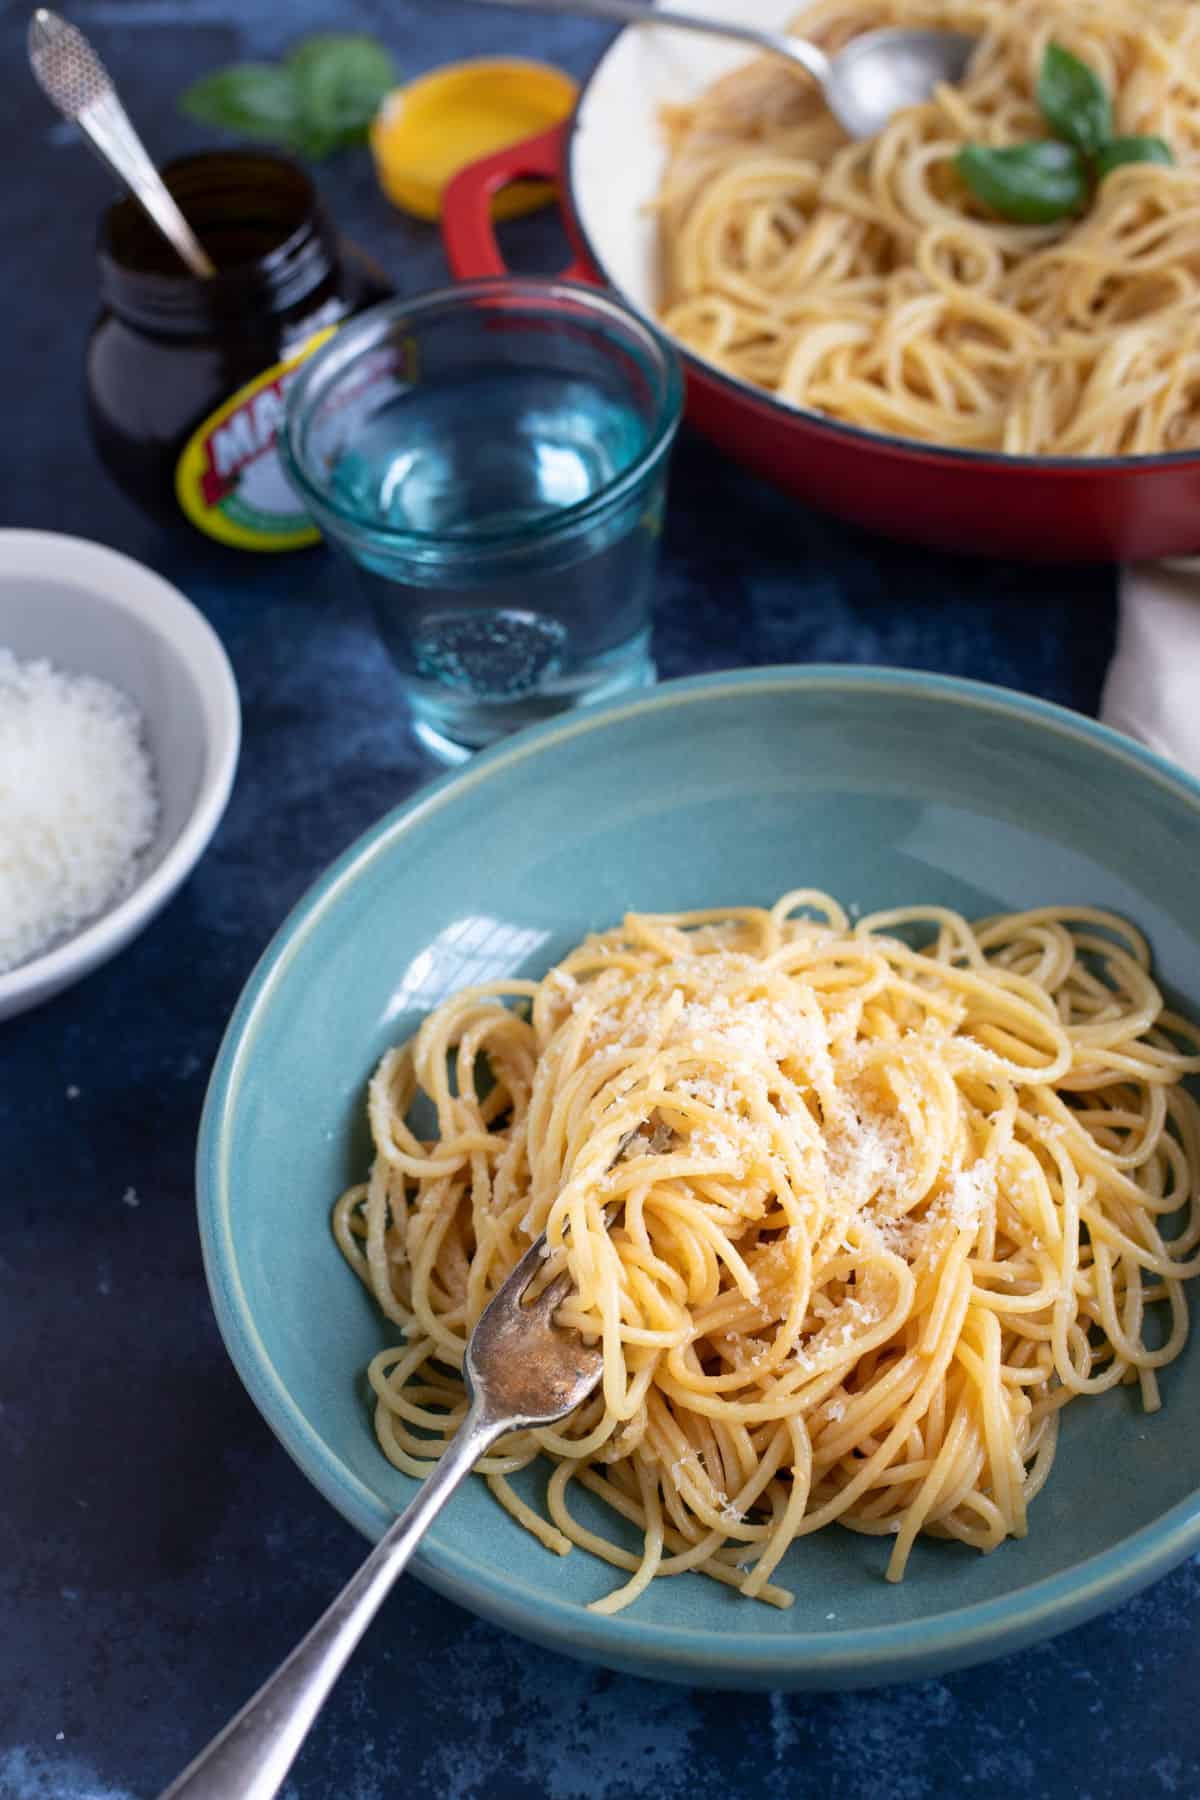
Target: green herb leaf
341, 80
1073, 100
1131, 150
1031, 183
324, 96
257, 99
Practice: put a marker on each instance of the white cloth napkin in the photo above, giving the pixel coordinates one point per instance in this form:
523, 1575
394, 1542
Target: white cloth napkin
1152, 690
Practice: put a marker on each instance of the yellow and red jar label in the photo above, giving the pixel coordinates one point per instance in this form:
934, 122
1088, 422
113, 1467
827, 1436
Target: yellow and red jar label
229, 479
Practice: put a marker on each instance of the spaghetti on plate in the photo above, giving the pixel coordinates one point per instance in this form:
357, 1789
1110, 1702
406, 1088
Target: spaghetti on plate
885, 1212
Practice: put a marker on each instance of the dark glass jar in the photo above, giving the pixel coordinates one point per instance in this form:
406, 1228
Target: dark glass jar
186, 377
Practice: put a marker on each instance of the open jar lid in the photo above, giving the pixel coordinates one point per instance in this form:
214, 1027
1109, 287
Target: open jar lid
426, 132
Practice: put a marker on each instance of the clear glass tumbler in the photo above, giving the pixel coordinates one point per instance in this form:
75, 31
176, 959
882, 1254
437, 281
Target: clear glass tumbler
492, 458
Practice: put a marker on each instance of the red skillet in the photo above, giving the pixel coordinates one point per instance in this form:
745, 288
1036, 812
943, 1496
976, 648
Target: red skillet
606, 161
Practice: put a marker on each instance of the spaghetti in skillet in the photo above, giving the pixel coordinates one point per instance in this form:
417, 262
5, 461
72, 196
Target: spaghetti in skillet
864, 281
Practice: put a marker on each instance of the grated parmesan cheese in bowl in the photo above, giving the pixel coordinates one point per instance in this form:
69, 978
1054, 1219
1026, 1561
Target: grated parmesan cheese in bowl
78, 803
119, 736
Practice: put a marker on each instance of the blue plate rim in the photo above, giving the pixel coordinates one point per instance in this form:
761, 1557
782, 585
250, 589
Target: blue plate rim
857, 1655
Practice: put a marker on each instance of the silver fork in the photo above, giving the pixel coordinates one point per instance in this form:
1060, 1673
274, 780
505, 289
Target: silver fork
521, 1369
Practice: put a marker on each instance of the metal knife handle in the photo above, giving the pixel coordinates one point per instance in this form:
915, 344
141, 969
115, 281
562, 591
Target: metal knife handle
106, 125
73, 78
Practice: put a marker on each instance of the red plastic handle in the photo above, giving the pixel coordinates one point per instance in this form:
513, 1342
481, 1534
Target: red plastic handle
467, 230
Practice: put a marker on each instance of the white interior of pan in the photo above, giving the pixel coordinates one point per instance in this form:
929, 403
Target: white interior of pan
617, 150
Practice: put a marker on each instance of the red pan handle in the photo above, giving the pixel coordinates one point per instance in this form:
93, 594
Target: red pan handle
467, 230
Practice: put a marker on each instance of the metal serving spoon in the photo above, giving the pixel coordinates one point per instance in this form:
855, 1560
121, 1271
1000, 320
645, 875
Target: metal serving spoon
72, 76
864, 84
521, 1369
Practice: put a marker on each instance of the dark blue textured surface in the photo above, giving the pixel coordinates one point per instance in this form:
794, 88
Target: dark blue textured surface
158, 1553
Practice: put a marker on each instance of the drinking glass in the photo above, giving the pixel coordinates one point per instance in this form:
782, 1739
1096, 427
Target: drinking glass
492, 459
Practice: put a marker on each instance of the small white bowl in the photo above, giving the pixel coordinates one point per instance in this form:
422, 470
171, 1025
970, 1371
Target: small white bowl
91, 611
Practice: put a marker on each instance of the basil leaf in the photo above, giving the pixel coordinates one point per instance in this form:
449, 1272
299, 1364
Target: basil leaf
1074, 100
1031, 183
257, 99
324, 95
1131, 150
341, 80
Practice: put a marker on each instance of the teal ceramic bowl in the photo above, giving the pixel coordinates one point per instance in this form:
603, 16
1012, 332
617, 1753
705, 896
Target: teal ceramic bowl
883, 787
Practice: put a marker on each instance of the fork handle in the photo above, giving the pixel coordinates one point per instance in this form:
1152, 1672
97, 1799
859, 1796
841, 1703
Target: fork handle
252, 1755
